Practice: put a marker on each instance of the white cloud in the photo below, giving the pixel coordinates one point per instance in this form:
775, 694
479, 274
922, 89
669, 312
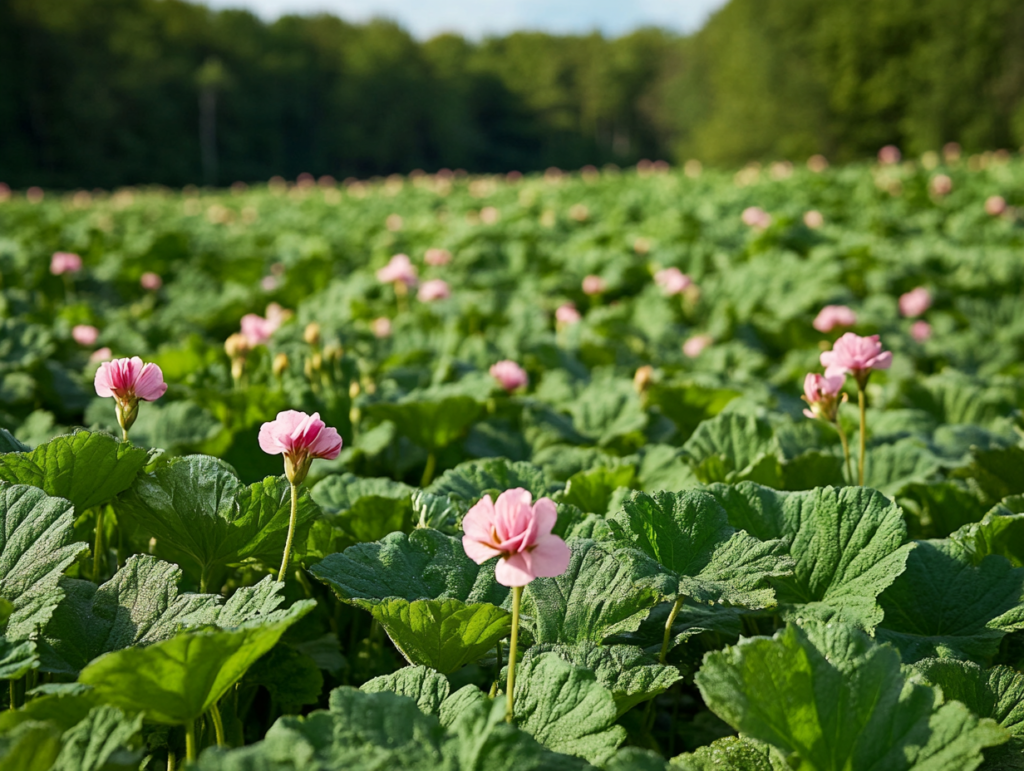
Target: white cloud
476, 18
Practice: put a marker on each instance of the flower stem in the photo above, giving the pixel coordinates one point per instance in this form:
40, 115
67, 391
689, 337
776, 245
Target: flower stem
218, 724
668, 627
291, 533
97, 549
517, 594
190, 741
124, 434
171, 760
862, 401
428, 471
846, 450
12, 689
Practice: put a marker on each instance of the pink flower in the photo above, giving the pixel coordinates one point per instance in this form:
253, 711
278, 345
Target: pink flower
593, 285
399, 270
920, 331
857, 356
821, 392
889, 154
84, 334
756, 217
672, 280
696, 344
832, 316
65, 262
269, 283
381, 327
941, 185
995, 205
101, 354
915, 302
510, 375
256, 329
435, 289
301, 438
517, 532
566, 313
813, 219
437, 257
130, 379
151, 281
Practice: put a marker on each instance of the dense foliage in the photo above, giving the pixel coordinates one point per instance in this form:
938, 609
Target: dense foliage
725, 576
112, 92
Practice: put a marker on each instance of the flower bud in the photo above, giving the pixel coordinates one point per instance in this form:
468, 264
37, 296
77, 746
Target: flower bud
280, 364
312, 333
643, 378
236, 346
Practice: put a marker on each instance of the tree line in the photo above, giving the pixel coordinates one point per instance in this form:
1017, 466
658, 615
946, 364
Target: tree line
101, 93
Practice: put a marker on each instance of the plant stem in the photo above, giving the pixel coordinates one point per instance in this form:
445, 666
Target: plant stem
14, 693
291, 533
97, 549
124, 434
190, 741
171, 760
218, 724
517, 594
862, 401
668, 627
428, 471
846, 450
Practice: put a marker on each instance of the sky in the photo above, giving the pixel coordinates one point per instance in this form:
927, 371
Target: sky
477, 18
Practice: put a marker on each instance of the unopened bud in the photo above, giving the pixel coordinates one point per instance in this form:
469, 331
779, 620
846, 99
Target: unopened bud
353, 389
280, 364
643, 378
312, 333
236, 346
333, 352
127, 411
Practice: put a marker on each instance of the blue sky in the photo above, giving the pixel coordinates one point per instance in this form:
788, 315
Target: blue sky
476, 18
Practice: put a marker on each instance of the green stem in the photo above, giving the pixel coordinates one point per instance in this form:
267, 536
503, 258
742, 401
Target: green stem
428, 471
172, 761
14, 695
202, 581
668, 627
190, 741
97, 549
517, 594
218, 724
124, 434
846, 449
862, 401
291, 533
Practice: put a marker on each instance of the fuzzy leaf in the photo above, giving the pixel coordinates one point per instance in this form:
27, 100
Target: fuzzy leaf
731, 753
996, 693
17, 659
732, 447
430, 423
421, 684
91, 743
469, 481
592, 490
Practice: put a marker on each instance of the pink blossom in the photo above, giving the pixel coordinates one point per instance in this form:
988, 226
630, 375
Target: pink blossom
399, 270
437, 257
995, 205
256, 329
941, 185
65, 262
84, 334
594, 285
509, 375
518, 533
889, 155
566, 313
382, 327
696, 344
276, 315
920, 331
130, 380
672, 280
813, 219
821, 392
915, 302
756, 217
857, 356
435, 289
832, 316
101, 354
151, 281
301, 438
269, 283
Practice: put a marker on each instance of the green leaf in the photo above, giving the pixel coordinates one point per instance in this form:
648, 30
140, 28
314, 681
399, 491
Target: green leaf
995, 473
689, 535
92, 742
688, 404
198, 508
891, 468
604, 591
17, 659
140, 605
430, 423
421, 684
365, 509
732, 447
943, 605
86, 468
292, 678
177, 680
1000, 531
631, 675
564, 708
732, 753
592, 490
31, 746
838, 701
471, 480
996, 693
442, 634
608, 409
847, 544
35, 548
8, 443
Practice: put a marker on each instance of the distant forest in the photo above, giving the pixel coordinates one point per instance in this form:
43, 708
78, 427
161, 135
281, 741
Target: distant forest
101, 93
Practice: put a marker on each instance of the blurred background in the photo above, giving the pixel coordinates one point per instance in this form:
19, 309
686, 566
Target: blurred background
102, 93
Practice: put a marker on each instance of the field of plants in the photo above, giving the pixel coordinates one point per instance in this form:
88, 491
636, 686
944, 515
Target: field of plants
596, 469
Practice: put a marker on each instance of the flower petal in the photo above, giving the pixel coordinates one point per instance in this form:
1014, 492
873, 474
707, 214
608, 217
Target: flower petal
513, 571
